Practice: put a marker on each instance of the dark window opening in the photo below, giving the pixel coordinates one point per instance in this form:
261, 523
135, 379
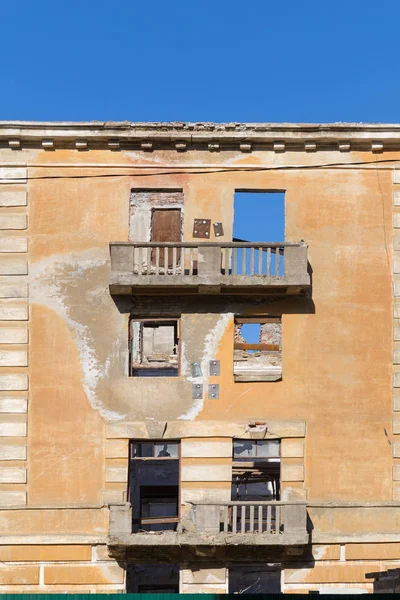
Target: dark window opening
154, 485
154, 348
152, 579
257, 349
254, 579
256, 471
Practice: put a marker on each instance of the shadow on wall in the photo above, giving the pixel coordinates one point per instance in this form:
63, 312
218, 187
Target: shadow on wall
385, 582
173, 305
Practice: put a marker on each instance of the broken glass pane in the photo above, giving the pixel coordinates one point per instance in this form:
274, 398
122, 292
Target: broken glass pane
163, 450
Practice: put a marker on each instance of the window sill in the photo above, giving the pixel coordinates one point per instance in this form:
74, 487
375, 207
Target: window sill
249, 375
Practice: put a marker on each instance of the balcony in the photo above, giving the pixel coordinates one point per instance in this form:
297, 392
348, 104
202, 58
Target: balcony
224, 524
208, 268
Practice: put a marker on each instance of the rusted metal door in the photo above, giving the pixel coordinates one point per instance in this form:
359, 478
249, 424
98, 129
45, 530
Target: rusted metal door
166, 227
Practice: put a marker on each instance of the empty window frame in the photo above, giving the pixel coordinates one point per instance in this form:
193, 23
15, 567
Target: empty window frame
256, 470
154, 347
154, 485
259, 216
257, 349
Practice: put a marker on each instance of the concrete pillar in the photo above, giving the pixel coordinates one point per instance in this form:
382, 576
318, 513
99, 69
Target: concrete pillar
208, 518
209, 264
295, 517
120, 519
295, 261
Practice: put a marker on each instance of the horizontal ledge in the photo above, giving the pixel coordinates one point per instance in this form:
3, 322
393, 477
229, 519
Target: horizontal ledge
354, 538
354, 504
208, 244
53, 507
50, 540
250, 503
212, 539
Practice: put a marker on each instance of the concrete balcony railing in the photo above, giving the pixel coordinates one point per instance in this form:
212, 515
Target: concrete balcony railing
219, 524
156, 267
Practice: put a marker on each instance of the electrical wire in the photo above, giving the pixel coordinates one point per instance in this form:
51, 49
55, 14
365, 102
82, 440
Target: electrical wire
189, 171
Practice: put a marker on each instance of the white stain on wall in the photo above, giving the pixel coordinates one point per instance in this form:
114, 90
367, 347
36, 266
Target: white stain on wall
48, 280
210, 349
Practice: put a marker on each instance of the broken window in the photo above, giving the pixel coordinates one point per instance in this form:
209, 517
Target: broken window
154, 485
256, 470
154, 348
257, 349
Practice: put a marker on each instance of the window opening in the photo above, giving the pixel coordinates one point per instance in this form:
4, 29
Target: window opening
259, 216
152, 579
256, 470
257, 354
154, 348
254, 579
154, 485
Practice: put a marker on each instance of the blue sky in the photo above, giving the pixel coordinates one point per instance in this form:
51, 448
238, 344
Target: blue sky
219, 60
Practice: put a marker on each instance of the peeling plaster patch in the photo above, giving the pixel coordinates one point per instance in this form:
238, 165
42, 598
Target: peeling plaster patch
287, 494
47, 279
319, 552
210, 349
300, 576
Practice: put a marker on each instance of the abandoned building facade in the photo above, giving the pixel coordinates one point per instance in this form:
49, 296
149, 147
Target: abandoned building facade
186, 406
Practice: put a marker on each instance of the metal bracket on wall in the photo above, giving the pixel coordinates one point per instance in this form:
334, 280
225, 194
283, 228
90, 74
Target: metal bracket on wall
197, 391
196, 369
215, 368
201, 228
213, 390
218, 229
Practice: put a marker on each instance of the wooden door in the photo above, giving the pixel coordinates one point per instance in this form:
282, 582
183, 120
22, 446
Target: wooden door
166, 227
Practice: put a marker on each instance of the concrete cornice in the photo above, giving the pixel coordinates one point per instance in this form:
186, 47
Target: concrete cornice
213, 136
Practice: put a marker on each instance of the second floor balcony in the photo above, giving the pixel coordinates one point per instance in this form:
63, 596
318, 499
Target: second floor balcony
209, 268
251, 523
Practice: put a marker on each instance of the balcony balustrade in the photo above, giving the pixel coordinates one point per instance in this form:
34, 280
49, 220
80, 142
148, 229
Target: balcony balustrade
235, 267
214, 524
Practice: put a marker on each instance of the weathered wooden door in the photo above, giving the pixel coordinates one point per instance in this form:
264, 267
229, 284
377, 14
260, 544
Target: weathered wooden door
166, 227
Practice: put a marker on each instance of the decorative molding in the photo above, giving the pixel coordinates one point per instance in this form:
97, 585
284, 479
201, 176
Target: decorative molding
310, 146
147, 146
341, 137
14, 316
279, 146
245, 147
81, 144
114, 144
15, 144
181, 146
344, 146
376, 147
48, 144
